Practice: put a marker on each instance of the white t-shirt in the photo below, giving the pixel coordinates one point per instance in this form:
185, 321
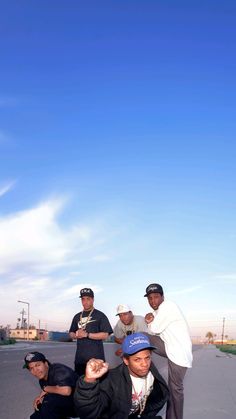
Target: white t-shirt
138, 325
141, 388
170, 324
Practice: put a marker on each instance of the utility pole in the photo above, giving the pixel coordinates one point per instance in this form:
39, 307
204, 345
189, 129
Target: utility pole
22, 318
28, 304
223, 331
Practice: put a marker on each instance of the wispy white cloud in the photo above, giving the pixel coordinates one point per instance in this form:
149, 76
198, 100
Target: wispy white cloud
101, 258
53, 300
229, 278
188, 290
75, 273
4, 188
34, 241
70, 292
212, 313
39, 260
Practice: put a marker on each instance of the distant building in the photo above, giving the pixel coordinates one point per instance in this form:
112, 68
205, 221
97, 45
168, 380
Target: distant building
231, 342
59, 336
220, 341
34, 334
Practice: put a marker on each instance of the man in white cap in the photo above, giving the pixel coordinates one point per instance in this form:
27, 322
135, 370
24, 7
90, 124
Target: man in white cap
127, 324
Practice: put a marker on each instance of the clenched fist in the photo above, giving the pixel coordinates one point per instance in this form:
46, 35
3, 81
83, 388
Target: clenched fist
149, 318
95, 368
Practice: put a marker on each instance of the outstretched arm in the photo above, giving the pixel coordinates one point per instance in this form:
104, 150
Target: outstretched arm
95, 369
92, 396
81, 333
98, 335
62, 390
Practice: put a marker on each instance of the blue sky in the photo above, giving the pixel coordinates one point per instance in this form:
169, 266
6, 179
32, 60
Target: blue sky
117, 158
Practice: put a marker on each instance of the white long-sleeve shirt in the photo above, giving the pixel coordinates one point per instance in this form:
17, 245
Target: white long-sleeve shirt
170, 324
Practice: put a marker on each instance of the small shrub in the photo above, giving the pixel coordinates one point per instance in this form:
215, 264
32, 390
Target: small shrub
230, 349
10, 341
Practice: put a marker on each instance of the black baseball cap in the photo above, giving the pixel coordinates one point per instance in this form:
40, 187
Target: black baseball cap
86, 292
156, 288
33, 357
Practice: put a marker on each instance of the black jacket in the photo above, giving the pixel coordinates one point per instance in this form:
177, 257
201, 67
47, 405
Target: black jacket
110, 398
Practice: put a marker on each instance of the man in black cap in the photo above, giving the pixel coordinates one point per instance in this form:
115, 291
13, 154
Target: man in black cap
134, 389
90, 327
57, 382
171, 337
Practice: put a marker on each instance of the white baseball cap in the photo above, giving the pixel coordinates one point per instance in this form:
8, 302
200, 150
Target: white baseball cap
122, 308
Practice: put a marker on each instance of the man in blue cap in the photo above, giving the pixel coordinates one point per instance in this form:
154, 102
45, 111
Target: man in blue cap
134, 389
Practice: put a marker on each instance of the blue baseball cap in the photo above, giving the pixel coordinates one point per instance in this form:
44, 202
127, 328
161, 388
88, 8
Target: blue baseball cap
135, 343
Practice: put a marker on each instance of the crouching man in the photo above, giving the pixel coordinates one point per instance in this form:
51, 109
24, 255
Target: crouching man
134, 389
57, 382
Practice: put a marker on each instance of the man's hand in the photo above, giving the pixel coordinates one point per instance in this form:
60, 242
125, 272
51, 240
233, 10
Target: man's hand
118, 352
38, 400
149, 318
95, 368
81, 333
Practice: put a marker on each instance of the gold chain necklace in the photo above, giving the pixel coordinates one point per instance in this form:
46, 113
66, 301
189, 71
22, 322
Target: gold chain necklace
83, 325
142, 400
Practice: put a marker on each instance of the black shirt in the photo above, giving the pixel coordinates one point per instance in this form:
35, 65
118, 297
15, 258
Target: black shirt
90, 348
59, 375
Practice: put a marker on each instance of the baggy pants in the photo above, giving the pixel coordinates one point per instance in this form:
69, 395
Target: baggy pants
176, 373
54, 406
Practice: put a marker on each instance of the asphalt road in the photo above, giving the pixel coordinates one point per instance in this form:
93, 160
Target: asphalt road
18, 387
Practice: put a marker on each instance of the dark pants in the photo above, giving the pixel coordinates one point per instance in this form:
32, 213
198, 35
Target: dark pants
176, 375
54, 406
80, 369
175, 406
